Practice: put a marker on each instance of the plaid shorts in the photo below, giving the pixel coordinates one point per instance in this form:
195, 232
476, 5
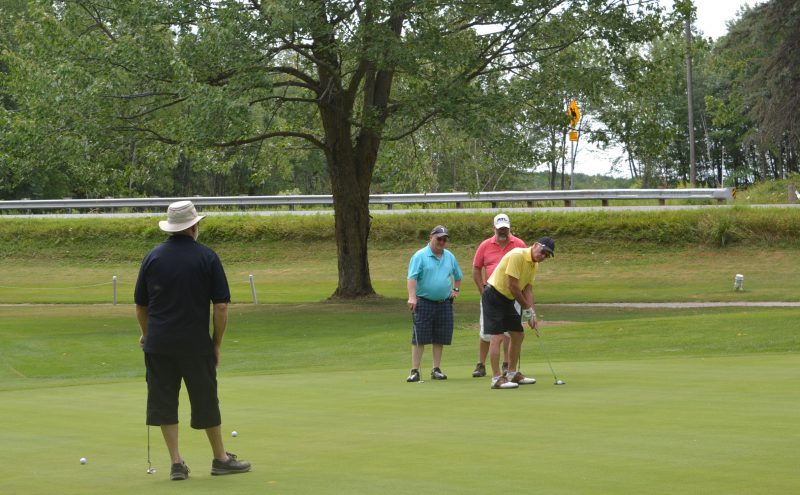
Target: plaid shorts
433, 322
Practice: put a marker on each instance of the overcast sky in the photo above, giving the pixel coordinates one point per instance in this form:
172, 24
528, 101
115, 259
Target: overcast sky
712, 16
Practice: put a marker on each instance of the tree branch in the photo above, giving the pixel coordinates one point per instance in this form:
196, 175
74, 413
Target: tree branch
157, 136
155, 109
95, 16
413, 129
302, 135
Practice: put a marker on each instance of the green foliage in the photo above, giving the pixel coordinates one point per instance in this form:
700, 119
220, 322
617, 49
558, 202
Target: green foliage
130, 238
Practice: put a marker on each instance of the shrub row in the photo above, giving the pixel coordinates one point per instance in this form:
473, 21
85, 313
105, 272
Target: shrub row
100, 238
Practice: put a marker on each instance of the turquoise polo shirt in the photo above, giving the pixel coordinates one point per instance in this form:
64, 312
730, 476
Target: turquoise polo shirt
434, 275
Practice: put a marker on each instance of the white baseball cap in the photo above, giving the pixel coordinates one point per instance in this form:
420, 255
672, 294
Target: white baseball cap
501, 220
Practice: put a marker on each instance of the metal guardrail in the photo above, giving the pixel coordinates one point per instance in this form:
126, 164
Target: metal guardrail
458, 198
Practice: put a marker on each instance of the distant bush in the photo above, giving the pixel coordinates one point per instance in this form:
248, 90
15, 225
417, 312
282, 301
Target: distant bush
125, 239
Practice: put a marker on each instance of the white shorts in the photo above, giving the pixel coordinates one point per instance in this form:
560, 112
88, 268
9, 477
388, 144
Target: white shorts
488, 338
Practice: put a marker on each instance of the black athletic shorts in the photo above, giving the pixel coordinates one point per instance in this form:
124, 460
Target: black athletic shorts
164, 375
499, 313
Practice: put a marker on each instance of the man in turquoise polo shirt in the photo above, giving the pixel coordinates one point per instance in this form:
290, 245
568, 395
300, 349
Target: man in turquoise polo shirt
434, 280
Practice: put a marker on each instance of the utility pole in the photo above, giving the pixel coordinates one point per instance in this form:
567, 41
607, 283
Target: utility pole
690, 98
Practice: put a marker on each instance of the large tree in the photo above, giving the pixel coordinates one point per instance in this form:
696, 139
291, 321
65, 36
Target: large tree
203, 77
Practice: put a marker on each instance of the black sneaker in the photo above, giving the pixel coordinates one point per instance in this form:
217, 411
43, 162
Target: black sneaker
480, 370
413, 377
231, 466
437, 374
179, 471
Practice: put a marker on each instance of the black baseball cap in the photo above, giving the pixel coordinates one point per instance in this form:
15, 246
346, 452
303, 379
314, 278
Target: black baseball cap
548, 245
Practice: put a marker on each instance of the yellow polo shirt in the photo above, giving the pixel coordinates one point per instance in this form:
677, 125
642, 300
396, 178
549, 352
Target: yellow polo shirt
516, 263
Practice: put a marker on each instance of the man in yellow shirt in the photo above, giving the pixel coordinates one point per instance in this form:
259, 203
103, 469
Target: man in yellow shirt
511, 281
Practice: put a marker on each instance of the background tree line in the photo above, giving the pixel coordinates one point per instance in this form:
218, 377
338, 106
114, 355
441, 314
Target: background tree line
64, 132
348, 97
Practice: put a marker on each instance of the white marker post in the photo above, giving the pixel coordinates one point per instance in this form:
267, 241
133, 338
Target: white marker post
253, 290
114, 285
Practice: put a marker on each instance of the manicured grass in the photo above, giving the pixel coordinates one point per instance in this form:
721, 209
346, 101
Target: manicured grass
44, 345
656, 401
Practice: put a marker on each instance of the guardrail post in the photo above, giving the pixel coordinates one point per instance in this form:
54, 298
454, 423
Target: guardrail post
459, 205
662, 202
605, 202
568, 203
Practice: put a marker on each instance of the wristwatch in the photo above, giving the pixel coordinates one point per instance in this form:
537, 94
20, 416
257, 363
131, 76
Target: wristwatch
457, 289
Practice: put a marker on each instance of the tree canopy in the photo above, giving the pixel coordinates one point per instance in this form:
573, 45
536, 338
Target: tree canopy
185, 97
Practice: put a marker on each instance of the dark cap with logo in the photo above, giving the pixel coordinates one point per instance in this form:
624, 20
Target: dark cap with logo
440, 231
548, 245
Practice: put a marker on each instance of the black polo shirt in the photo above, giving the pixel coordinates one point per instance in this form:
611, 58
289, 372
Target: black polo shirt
178, 280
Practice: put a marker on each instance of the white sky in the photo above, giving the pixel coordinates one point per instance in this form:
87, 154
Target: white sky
712, 17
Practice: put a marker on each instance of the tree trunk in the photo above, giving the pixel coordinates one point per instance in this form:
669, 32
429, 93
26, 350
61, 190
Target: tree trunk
350, 168
352, 232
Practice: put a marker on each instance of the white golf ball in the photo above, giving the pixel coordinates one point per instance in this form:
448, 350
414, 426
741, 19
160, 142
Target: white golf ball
83, 460
559, 382
234, 434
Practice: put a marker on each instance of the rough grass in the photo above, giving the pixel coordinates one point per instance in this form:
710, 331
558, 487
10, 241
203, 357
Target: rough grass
246, 237
578, 274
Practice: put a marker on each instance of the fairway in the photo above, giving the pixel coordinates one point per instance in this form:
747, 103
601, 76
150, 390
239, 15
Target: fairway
656, 401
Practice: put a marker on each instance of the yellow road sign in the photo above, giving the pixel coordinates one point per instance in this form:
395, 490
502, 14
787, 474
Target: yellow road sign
574, 114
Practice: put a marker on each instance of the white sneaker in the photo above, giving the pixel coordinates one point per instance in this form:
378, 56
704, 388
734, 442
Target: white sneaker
502, 382
522, 379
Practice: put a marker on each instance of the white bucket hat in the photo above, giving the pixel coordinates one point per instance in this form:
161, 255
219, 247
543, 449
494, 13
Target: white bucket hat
180, 216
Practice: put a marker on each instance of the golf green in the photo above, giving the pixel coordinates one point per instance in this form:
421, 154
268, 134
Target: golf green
682, 425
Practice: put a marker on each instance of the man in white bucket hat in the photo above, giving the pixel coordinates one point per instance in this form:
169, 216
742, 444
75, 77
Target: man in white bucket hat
177, 282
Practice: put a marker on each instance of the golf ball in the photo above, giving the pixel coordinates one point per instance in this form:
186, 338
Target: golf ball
560, 382
234, 434
83, 460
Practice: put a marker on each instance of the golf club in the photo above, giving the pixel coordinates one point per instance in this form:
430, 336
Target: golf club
547, 357
416, 339
150, 468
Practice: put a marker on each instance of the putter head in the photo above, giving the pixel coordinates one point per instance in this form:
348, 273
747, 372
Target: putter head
151, 471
